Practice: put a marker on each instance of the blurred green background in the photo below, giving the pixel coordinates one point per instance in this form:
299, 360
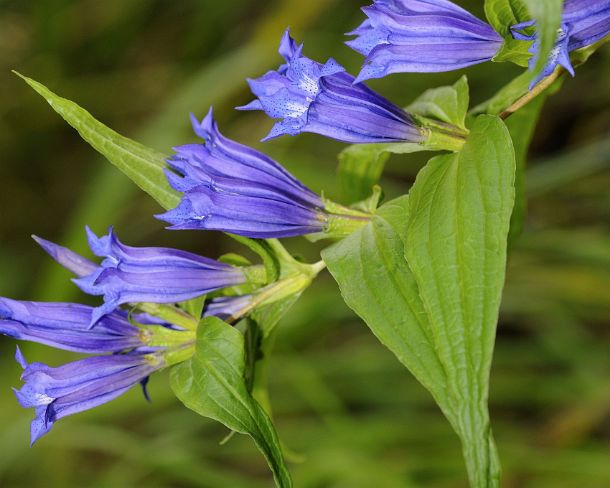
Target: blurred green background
348, 412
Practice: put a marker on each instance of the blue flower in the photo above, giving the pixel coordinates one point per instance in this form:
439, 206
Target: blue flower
143, 274
311, 97
233, 188
404, 36
81, 385
66, 326
584, 22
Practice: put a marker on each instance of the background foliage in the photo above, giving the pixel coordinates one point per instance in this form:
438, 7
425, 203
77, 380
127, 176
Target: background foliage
344, 406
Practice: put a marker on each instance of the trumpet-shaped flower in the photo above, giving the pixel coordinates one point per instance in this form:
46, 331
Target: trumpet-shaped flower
81, 385
233, 188
403, 36
324, 99
66, 326
143, 274
584, 22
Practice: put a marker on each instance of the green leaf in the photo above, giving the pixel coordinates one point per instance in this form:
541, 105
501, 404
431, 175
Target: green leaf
144, 166
427, 273
360, 168
212, 383
265, 252
447, 104
502, 14
376, 282
194, 306
547, 14
460, 209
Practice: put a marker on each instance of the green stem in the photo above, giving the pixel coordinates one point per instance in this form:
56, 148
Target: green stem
532, 94
445, 141
482, 461
169, 313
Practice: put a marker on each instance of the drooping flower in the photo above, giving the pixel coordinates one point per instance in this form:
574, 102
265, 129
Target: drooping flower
66, 326
81, 385
405, 36
233, 188
143, 274
323, 99
584, 22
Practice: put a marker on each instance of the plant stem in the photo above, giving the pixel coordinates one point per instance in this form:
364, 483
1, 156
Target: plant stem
533, 93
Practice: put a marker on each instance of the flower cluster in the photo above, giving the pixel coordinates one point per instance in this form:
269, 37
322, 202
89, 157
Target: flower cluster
123, 355
142, 325
125, 346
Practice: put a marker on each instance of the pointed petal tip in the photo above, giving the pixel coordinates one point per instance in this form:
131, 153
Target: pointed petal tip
20, 359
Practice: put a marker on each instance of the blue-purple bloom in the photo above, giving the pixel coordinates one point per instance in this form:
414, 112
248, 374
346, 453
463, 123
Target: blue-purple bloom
584, 22
143, 274
66, 326
324, 99
81, 385
404, 36
233, 188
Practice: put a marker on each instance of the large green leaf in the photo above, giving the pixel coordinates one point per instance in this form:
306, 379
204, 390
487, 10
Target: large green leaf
460, 209
144, 166
212, 383
437, 309
376, 282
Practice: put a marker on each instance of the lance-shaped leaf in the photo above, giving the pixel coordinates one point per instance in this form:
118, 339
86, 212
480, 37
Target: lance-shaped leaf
460, 209
212, 383
437, 309
143, 165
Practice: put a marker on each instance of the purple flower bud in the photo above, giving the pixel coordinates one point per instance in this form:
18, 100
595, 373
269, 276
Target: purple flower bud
145, 274
233, 188
323, 99
78, 386
584, 22
405, 36
66, 326
227, 307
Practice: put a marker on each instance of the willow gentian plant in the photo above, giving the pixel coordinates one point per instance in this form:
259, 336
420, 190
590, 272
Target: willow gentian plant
424, 271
